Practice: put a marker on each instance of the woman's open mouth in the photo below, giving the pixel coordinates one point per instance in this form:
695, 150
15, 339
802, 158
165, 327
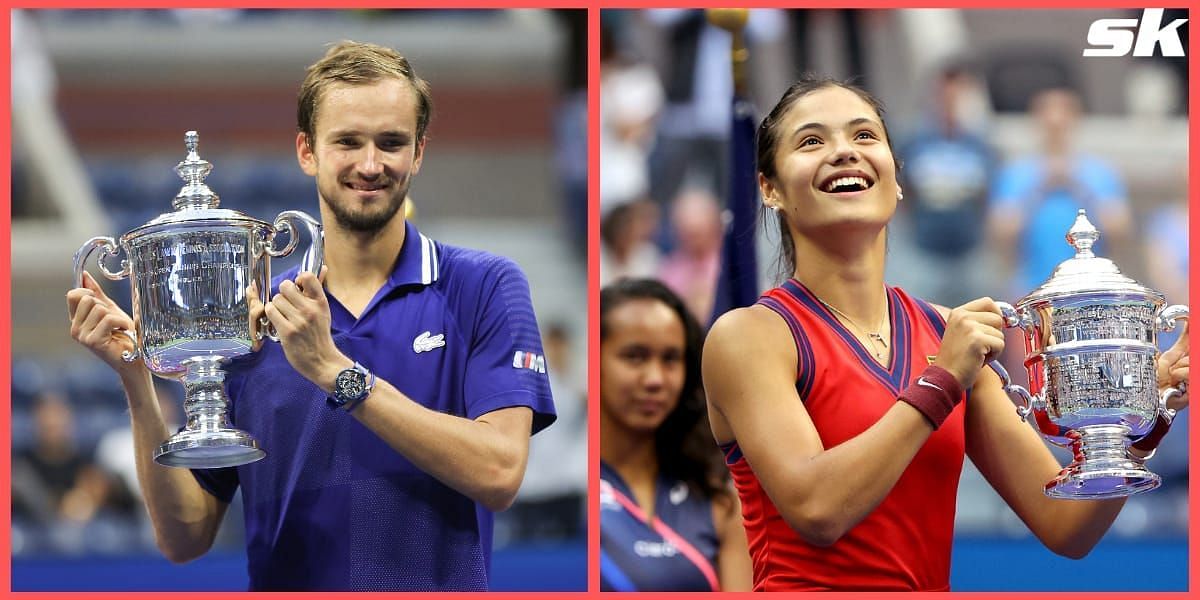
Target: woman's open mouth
847, 184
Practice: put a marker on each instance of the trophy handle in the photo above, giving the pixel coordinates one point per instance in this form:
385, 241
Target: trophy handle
1167, 394
1012, 318
107, 247
1166, 318
1166, 322
1013, 390
289, 221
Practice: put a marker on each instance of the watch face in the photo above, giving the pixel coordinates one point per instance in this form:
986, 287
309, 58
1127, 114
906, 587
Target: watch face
350, 384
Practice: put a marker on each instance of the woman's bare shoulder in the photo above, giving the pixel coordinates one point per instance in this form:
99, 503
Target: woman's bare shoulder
751, 329
746, 341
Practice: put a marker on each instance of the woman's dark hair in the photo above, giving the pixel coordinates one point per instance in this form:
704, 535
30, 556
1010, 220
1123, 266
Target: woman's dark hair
767, 140
683, 443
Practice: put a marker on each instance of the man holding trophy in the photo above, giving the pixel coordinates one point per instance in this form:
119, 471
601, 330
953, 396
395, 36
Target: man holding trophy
395, 410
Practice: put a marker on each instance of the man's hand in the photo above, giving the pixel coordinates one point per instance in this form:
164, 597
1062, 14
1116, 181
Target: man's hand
1172, 369
300, 314
95, 323
258, 313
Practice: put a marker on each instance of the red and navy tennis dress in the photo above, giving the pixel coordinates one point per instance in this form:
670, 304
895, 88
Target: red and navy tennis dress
676, 551
904, 544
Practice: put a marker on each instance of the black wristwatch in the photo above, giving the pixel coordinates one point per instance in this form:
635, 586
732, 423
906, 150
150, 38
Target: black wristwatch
351, 387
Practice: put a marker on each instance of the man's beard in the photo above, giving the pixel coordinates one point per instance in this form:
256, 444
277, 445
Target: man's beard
366, 221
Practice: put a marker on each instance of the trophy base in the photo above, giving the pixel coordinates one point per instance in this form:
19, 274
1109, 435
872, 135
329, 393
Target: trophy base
1099, 484
209, 449
1102, 467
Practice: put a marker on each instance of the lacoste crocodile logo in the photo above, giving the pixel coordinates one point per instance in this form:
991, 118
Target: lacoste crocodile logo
426, 342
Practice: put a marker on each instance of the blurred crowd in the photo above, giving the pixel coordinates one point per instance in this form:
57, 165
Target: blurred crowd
980, 215
74, 482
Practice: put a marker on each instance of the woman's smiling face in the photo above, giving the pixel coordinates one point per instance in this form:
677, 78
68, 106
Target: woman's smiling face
833, 163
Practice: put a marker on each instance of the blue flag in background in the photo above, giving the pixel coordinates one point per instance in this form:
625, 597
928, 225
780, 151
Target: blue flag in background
737, 285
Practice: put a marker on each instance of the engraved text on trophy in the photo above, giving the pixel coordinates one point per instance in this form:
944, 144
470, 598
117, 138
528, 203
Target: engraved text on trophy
192, 295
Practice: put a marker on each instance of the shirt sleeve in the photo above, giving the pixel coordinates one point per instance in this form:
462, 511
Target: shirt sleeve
221, 483
506, 366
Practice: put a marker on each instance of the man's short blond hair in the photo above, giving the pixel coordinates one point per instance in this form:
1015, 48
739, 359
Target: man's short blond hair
357, 63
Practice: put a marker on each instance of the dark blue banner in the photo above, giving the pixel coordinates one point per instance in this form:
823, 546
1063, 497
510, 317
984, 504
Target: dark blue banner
737, 285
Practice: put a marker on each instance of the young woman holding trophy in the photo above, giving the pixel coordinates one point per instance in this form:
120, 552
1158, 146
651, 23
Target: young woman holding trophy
846, 407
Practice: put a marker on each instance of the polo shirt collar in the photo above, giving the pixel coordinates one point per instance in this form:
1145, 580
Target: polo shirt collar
418, 263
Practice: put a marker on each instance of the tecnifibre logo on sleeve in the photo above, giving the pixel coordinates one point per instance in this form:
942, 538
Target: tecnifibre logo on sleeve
1116, 37
529, 360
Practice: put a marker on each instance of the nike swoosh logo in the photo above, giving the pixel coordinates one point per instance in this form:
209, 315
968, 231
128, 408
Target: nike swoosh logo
425, 342
921, 381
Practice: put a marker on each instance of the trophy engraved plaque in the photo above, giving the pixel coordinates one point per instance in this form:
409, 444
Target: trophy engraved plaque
1090, 352
189, 270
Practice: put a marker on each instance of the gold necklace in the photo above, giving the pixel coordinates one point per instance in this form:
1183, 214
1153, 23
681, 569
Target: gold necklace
874, 336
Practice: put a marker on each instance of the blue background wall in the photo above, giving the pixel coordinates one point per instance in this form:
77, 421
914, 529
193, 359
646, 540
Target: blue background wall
557, 567
979, 565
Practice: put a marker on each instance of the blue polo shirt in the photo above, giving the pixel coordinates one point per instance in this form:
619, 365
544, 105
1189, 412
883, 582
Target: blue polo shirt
332, 506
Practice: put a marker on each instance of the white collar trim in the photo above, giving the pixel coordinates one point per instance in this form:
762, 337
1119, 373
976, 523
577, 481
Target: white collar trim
429, 261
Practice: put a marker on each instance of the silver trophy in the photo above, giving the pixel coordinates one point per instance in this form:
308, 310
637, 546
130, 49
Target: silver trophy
189, 270
1090, 352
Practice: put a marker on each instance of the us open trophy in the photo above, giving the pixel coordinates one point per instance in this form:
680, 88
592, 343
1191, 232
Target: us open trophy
1090, 353
189, 270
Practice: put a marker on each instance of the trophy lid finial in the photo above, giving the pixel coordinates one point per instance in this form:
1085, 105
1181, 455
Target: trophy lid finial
1086, 275
1083, 235
193, 170
191, 140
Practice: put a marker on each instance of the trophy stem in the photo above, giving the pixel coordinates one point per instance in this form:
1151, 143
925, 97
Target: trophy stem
1102, 467
208, 440
204, 397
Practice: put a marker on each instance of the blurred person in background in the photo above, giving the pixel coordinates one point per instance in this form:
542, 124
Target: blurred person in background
114, 450
668, 518
627, 247
1033, 196
1165, 248
390, 483
853, 29
842, 403
1168, 267
691, 269
571, 130
946, 178
54, 482
693, 131
631, 98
